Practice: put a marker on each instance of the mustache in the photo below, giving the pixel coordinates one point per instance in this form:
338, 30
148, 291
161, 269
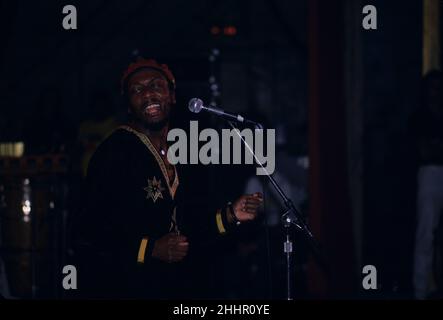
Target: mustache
153, 101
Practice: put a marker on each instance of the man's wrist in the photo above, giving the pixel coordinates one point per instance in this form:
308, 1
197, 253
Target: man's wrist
229, 217
230, 214
153, 250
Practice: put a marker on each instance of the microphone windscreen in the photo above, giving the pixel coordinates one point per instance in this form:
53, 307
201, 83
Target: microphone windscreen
195, 105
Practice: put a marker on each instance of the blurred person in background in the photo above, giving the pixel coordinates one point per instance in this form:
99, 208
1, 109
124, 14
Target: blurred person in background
428, 133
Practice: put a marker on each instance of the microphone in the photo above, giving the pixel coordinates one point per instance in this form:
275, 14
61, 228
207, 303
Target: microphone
195, 105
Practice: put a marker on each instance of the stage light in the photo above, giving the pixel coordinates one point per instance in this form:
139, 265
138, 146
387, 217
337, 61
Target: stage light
12, 149
26, 207
230, 31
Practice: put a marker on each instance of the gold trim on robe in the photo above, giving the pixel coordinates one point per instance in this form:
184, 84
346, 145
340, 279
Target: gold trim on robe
219, 221
142, 250
172, 188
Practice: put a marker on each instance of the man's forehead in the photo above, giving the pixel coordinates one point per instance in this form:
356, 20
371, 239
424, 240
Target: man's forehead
145, 74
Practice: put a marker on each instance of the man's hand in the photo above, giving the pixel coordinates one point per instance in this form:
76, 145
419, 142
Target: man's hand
171, 248
245, 207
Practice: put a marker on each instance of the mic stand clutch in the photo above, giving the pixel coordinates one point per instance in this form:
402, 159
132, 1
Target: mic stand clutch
290, 217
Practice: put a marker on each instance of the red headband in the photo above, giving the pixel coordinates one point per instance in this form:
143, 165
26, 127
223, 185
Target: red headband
146, 63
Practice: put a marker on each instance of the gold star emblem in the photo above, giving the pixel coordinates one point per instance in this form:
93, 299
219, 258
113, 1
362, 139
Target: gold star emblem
154, 189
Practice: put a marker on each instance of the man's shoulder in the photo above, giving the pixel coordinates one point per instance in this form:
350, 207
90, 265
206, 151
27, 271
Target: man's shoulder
119, 141
117, 146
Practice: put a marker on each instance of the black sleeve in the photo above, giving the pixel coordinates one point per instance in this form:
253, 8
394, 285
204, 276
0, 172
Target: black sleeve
202, 216
110, 241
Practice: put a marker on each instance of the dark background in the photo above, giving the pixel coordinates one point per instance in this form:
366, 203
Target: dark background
337, 94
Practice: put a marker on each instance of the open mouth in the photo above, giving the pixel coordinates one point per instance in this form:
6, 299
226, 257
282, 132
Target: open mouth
152, 109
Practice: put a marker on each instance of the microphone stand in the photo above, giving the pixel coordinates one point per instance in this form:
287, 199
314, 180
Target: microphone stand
291, 216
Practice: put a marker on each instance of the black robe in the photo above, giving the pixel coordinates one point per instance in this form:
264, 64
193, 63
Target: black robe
129, 205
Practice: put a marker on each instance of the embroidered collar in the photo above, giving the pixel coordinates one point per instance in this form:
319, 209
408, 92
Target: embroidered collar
145, 140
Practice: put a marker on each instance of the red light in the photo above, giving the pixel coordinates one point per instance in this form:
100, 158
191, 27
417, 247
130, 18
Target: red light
230, 31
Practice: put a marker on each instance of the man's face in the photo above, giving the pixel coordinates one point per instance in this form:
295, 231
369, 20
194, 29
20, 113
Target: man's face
150, 98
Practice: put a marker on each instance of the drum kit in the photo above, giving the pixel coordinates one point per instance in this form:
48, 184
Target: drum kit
32, 223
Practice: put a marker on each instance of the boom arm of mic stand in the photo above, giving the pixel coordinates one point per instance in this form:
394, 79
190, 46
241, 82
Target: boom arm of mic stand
291, 216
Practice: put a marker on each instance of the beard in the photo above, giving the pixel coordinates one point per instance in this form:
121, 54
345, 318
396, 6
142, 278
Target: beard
156, 126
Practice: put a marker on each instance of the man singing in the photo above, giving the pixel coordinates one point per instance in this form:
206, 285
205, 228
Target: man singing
137, 229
